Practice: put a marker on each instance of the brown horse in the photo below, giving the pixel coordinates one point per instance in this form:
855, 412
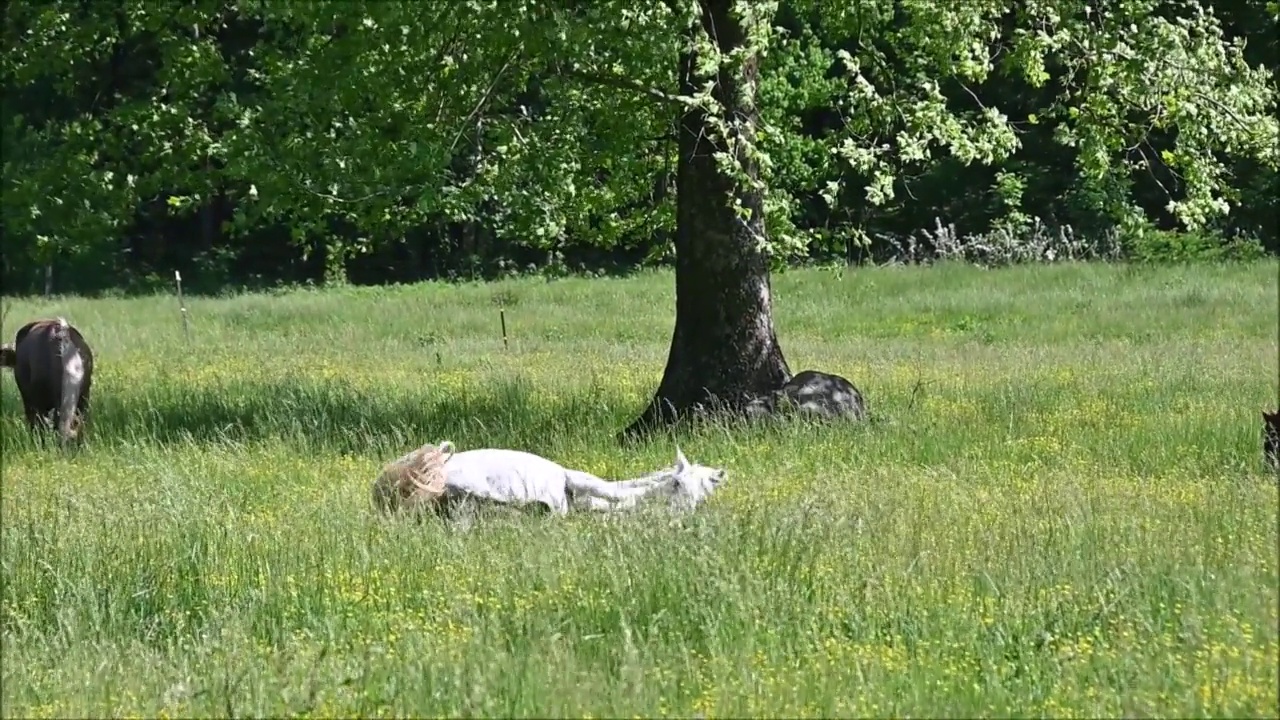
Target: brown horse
1271, 438
53, 366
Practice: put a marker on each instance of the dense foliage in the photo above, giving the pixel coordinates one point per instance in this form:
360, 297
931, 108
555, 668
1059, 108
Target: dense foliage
249, 142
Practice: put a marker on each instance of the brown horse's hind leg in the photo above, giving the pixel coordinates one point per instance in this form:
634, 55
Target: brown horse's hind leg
36, 424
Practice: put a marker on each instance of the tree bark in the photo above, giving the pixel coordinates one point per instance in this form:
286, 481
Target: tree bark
724, 350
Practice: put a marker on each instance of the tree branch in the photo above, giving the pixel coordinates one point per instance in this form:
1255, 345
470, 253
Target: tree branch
617, 82
484, 99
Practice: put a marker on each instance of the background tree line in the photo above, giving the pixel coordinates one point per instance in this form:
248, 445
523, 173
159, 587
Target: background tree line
252, 143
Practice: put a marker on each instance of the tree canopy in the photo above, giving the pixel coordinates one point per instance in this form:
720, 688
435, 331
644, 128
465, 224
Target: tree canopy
362, 127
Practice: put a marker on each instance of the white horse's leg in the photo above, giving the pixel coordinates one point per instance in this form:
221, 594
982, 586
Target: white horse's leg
599, 505
642, 482
584, 484
594, 504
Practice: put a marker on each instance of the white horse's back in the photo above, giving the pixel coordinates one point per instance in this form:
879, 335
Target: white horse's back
507, 476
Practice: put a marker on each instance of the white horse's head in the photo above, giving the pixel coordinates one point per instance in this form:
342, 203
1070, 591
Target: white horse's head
690, 484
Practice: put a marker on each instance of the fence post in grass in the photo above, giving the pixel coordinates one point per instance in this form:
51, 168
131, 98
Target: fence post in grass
502, 316
182, 306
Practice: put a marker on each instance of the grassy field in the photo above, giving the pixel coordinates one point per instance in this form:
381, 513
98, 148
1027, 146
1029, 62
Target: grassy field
1070, 518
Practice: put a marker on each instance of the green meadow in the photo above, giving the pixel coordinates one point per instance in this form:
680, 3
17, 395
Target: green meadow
1060, 506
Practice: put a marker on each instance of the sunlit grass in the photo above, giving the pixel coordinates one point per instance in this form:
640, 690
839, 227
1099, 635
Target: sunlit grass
1062, 511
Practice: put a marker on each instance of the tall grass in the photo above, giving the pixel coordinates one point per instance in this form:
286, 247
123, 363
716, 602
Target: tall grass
1065, 511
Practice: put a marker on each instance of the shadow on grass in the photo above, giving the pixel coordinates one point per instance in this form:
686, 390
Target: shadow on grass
332, 416
337, 417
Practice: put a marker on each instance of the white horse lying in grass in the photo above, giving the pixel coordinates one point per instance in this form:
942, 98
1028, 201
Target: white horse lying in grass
437, 477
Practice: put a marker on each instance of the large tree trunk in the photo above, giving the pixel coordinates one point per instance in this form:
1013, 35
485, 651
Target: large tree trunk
724, 350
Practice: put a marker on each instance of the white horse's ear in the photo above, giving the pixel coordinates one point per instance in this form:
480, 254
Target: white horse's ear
681, 462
